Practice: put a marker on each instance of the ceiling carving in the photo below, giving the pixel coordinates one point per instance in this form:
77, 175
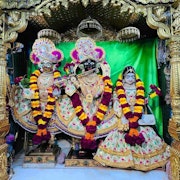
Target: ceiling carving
64, 16
19, 4
62, 19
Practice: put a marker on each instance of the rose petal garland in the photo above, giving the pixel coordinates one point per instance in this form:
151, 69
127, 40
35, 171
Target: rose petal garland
133, 136
88, 141
42, 119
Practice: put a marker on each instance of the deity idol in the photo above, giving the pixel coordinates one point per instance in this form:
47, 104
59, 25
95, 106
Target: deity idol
86, 110
34, 106
131, 145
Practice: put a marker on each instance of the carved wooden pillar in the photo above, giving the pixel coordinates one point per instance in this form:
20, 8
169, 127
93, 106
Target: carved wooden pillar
10, 24
3, 160
4, 123
3, 80
174, 123
160, 22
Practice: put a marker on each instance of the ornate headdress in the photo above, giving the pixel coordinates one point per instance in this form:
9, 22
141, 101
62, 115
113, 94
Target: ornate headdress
44, 50
85, 50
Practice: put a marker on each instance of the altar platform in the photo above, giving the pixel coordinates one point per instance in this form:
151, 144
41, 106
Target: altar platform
60, 171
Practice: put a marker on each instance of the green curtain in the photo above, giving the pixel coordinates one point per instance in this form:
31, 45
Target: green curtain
140, 54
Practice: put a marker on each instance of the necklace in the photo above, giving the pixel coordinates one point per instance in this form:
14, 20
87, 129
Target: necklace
90, 79
42, 118
90, 89
133, 136
129, 86
88, 141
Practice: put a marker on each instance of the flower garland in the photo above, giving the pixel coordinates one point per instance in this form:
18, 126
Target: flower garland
133, 136
17, 80
155, 91
68, 68
88, 141
42, 119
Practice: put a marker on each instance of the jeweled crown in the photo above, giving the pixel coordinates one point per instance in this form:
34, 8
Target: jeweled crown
85, 48
44, 50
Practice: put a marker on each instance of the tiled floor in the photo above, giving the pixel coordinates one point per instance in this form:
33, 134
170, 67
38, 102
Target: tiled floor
60, 172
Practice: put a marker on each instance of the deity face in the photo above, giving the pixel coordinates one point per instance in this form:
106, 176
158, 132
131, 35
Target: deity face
130, 78
47, 67
89, 64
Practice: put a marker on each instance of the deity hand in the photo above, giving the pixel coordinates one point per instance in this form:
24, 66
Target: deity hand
60, 82
56, 91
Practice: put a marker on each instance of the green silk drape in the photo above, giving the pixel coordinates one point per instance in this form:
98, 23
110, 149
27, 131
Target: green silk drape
140, 54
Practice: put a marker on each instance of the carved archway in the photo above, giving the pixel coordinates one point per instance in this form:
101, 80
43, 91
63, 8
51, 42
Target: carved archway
14, 17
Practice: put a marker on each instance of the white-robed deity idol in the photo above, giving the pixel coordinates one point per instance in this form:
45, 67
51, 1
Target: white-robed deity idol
131, 145
34, 107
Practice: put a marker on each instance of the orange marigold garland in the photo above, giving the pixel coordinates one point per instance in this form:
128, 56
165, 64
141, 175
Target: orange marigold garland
42, 119
88, 141
133, 136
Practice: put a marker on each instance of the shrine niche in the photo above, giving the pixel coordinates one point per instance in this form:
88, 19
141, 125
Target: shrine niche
123, 21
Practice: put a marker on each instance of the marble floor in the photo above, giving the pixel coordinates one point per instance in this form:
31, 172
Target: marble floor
60, 172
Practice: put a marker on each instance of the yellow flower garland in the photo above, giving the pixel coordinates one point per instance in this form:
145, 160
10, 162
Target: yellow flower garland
134, 116
42, 119
139, 93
